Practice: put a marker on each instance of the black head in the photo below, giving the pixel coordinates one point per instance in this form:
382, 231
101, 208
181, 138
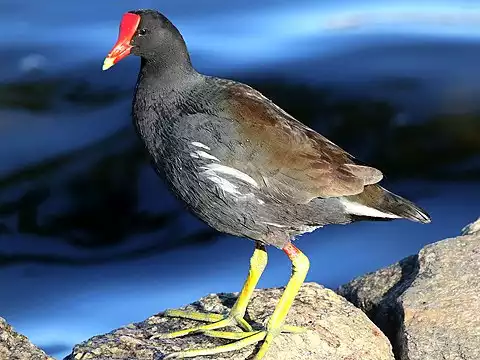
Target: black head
150, 35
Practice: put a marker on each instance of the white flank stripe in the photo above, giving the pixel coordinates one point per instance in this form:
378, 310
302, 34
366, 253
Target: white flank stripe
274, 224
217, 168
359, 209
194, 155
206, 155
200, 145
224, 184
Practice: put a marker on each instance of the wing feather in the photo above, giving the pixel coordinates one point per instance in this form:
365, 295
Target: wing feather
291, 160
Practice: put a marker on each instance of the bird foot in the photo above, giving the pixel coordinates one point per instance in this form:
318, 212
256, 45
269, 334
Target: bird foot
243, 339
237, 335
216, 321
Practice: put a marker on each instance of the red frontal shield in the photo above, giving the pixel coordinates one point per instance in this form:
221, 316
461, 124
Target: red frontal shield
121, 49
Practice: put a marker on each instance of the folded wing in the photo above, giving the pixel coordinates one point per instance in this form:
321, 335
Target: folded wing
292, 161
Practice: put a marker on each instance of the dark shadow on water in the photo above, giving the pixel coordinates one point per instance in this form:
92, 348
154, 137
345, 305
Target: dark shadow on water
44, 95
198, 238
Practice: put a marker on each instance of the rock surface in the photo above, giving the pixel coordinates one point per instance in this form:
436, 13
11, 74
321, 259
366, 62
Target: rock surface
428, 305
337, 331
472, 228
14, 346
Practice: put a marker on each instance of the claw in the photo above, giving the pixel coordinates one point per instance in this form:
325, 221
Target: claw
177, 355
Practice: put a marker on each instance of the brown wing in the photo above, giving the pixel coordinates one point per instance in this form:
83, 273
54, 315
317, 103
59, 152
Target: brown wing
290, 159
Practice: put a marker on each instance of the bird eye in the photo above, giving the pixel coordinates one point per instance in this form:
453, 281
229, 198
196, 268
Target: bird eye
142, 32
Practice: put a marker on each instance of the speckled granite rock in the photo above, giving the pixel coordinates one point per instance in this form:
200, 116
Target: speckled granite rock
338, 331
14, 346
428, 305
377, 293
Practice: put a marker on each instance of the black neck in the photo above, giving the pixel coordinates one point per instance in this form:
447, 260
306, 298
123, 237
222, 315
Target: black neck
168, 65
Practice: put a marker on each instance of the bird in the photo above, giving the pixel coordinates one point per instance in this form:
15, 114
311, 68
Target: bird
245, 167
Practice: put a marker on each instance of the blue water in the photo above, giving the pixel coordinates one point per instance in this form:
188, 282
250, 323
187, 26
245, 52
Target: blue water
352, 46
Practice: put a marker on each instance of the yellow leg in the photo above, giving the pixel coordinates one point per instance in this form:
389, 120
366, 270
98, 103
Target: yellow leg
258, 261
300, 266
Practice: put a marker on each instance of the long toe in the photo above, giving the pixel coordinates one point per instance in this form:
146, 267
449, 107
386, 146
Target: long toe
216, 321
293, 329
243, 339
237, 335
229, 335
194, 315
237, 345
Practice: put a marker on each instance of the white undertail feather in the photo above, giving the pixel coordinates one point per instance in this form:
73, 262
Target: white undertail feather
355, 208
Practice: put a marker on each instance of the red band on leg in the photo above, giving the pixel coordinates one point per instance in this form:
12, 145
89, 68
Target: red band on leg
291, 251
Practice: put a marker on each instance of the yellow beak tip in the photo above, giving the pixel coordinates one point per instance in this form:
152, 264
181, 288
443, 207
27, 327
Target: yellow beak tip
107, 63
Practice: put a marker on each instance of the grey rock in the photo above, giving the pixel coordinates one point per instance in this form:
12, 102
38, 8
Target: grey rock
14, 346
377, 293
472, 228
428, 305
337, 331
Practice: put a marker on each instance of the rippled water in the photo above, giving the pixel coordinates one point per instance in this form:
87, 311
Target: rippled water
89, 238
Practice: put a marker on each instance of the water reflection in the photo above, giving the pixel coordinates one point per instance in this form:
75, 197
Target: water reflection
87, 227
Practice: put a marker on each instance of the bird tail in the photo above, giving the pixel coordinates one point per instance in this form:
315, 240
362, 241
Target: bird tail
377, 202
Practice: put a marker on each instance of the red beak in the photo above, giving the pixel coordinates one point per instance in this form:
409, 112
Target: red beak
128, 27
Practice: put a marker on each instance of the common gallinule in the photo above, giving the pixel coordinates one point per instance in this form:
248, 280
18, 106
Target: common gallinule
244, 166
